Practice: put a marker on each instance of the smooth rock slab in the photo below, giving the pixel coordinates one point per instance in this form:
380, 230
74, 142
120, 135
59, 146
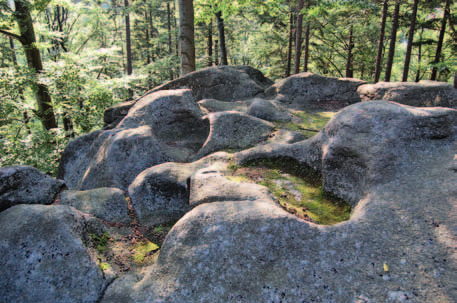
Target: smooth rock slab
44, 258
108, 204
26, 185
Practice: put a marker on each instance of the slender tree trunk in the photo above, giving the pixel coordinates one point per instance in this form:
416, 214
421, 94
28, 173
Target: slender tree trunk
349, 69
170, 50
186, 36
216, 52
298, 39
176, 31
393, 38
210, 43
306, 48
377, 72
32, 53
455, 80
291, 35
128, 39
148, 51
440, 39
13, 52
220, 27
410, 41
419, 57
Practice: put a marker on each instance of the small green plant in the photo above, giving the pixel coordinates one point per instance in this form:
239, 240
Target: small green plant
142, 250
100, 242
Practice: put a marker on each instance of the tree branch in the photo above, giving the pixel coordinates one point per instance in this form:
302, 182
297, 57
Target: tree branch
12, 35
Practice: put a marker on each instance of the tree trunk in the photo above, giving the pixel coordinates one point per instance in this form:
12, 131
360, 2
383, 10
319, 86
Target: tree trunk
440, 40
298, 40
32, 53
291, 35
419, 57
186, 36
148, 51
306, 48
220, 27
455, 80
210, 43
393, 38
13, 52
410, 41
377, 72
349, 69
216, 52
128, 39
170, 50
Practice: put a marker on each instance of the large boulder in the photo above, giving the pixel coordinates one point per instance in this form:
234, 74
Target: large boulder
361, 144
233, 130
225, 83
26, 185
161, 193
108, 204
422, 94
313, 91
45, 258
395, 164
163, 127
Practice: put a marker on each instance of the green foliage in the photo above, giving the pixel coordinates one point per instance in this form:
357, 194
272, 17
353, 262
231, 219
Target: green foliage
142, 250
100, 242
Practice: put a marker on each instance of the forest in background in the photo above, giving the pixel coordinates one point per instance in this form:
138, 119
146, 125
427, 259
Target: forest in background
63, 62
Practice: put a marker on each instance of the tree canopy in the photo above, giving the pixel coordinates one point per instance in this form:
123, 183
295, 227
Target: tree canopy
86, 64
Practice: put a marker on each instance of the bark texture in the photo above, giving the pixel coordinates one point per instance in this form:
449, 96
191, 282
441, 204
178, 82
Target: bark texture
186, 36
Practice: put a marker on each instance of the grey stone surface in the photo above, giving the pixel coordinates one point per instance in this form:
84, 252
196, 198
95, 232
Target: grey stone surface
163, 127
44, 258
225, 83
257, 107
233, 129
422, 94
209, 185
161, 193
361, 144
395, 164
114, 114
213, 105
268, 110
108, 204
26, 185
308, 90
